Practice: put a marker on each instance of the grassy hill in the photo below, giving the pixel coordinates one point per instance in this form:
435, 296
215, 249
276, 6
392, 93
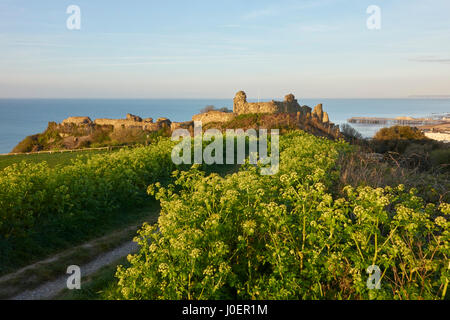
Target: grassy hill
52, 159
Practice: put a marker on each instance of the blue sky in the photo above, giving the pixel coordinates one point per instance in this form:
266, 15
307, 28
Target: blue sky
211, 49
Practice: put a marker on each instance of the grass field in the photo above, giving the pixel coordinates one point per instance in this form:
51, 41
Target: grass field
53, 159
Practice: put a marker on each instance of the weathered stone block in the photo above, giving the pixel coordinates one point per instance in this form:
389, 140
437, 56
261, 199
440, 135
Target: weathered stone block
132, 117
318, 112
189, 125
77, 120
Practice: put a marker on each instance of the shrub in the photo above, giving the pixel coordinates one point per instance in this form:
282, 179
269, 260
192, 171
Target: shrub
400, 133
349, 132
30, 192
248, 236
441, 158
409, 148
357, 168
213, 108
26, 145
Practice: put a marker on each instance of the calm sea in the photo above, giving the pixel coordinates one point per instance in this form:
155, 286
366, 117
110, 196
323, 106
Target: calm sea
22, 117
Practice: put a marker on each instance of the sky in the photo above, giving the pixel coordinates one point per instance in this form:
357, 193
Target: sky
212, 49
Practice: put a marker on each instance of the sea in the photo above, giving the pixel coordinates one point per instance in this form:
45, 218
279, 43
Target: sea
23, 117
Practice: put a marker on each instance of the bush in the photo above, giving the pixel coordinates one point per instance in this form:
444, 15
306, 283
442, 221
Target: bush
400, 133
359, 169
28, 144
30, 192
349, 132
213, 108
248, 236
441, 158
409, 148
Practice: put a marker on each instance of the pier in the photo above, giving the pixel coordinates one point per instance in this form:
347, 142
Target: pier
399, 120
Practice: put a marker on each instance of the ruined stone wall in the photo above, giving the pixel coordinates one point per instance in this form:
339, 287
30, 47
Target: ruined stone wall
241, 106
131, 122
117, 123
135, 122
188, 125
214, 116
289, 106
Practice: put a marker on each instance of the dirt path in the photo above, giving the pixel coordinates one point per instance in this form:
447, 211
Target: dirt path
51, 289
45, 279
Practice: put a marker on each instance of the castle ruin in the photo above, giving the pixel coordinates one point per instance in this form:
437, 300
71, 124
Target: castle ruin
289, 107
241, 106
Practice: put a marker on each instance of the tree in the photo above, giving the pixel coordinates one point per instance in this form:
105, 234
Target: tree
209, 108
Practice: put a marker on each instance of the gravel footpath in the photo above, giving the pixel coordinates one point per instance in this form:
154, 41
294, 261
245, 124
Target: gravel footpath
50, 289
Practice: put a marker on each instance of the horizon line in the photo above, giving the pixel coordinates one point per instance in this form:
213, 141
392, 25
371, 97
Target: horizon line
222, 98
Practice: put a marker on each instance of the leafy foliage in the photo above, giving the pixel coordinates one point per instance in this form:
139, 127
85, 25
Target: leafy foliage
349, 132
209, 108
28, 144
52, 159
399, 133
245, 236
248, 236
32, 191
410, 148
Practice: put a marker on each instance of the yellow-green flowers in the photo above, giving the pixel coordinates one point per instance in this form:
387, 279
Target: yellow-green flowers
105, 182
248, 236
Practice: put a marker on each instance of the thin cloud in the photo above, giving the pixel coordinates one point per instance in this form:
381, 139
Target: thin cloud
431, 60
39, 44
143, 61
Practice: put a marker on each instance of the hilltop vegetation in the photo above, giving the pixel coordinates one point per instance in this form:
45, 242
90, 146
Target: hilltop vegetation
52, 159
